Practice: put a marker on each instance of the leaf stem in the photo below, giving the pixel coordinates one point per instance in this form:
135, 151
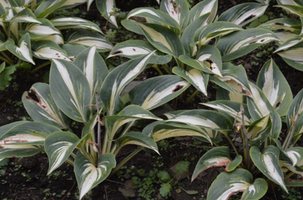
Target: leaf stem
98, 126
158, 69
125, 160
40, 66
289, 136
246, 147
191, 97
8, 60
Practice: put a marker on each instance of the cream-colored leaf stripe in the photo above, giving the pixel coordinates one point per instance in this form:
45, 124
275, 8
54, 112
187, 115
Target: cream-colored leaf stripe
59, 153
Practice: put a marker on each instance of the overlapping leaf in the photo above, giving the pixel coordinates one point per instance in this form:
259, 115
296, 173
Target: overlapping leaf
294, 115
47, 50
93, 67
70, 90
275, 87
208, 60
178, 10
118, 78
242, 42
204, 7
88, 175
156, 91
244, 13
136, 48
239, 180
267, 162
206, 33
194, 76
231, 108
75, 22
47, 7
106, 8
203, 118
23, 50
89, 38
43, 29
23, 138
216, 157
163, 39
58, 146
44, 110
136, 138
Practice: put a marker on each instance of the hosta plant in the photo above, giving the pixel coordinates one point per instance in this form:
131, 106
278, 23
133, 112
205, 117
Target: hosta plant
28, 36
289, 30
84, 91
260, 152
196, 40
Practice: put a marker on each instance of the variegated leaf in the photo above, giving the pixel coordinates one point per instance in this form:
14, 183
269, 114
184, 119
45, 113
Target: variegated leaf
206, 33
136, 138
233, 79
242, 42
94, 69
178, 10
71, 3
194, 76
23, 50
23, 138
244, 13
152, 15
187, 37
163, 39
25, 15
294, 115
48, 50
275, 87
47, 7
156, 91
294, 9
89, 39
289, 43
75, 22
70, 90
231, 108
56, 38
44, 110
293, 57
239, 180
208, 60
106, 8
216, 157
161, 131
36, 31
287, 24
204, 7
130, 113
259, 107
267, 162
259, 131
136, 48
203, 118
58, 146
118, 78
88, 175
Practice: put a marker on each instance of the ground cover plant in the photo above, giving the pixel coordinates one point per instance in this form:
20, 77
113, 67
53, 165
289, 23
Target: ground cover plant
246, 125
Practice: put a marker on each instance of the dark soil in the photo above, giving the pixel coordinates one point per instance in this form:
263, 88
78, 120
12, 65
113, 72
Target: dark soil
26, 179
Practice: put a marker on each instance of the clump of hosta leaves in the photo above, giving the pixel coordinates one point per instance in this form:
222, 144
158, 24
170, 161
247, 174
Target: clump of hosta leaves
28, 36
193, 42
289, 30
84, 91
258, 153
